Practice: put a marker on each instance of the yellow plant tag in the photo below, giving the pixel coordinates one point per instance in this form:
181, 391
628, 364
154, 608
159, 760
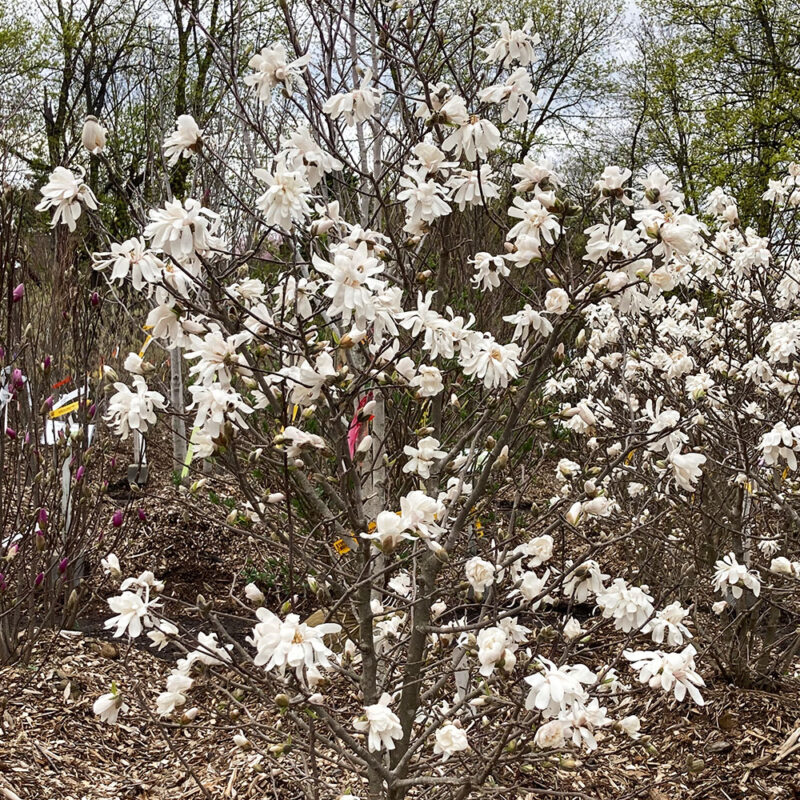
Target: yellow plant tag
340, 547
144, 346
67, 409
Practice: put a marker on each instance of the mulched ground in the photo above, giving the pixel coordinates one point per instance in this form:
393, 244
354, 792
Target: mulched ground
742, 745
52, 747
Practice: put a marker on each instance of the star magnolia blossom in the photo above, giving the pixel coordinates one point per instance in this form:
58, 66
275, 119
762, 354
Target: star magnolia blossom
554, 689
480, 574
513, 46
131, 258
66, 193
423, 456
133, 410
181, 230
673, 672
381, 725
733, 576
273, 69
474, 139
629, 606
133, 612
109, 706
356, 106
184, 141
290, 643
286, 201
450, 739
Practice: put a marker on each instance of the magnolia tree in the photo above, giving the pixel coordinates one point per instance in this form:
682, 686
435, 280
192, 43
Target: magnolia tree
512, 501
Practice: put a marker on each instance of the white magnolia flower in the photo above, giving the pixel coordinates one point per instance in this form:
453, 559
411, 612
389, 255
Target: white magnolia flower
177, 686
480, 574
536, 223
184, 140
512, 46
556, 301
781, 443
494, 363
551, 735
290, 643
133, 410
297, 440
108, 706
306, 381
730, 574
381, 724
286, 200
493, 647
554, 689
422, 457
218, 355
273, 69
781, 566
132, 613
489, 270
110, 565
355, 106
93, 135
671, 671
631, 726
160, 637
421, 512
390, 529
476, 138
353, 282
584, 719
428, 381
254, 594
527, 320
669, 622
302, 153
131, 258
584, 580
450, 739
182, 230
65, 193
473, 187
629, 606
572, 629
686, 468
216, 404
425, 200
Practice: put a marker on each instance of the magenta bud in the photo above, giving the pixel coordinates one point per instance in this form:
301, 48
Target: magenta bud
95, 300
3, 584
113, 463
18, 293
47, 362
49, 402
43, 516
80, 473
2, 352
62, 565
16, 378
39, 580
116, 519
140, 513
92, 410
11, 433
